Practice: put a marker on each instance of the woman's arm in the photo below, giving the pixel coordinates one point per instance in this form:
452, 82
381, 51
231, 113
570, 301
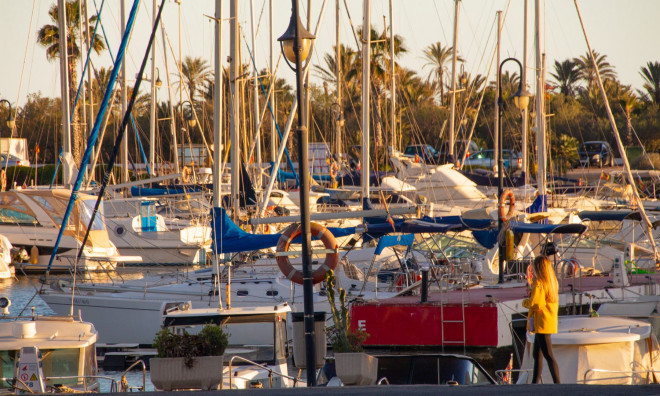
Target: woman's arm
536, 300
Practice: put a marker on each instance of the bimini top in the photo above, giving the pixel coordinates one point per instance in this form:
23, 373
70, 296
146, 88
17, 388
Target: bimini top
185, 316
611, 215
536, 228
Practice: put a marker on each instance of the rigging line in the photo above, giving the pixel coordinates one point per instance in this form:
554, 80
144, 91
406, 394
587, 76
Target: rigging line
350, 20
27, 47
94, 135
120, 134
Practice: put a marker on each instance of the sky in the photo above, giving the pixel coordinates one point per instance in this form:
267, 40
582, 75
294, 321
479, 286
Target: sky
623, 30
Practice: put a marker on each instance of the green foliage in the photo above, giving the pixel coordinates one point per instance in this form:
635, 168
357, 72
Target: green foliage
342, 338
566, 152
211, 341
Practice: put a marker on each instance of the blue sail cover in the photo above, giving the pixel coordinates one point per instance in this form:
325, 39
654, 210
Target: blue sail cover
612, 215
536, 228
540, 204
394, 240
228, 237
471, 224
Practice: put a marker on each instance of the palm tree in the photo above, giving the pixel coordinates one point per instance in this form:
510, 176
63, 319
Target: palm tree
196, 74
437, 57
651, 75
587, 71
566, 76
49, 35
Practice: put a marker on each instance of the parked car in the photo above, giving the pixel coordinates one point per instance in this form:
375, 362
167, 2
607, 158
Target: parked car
486, 158
596, 153
460, 147
9, 160
423, 152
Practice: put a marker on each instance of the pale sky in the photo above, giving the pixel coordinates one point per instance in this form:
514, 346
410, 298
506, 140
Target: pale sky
624, 30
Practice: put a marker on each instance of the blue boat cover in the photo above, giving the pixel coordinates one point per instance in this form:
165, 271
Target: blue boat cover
228, 237
536, 228
613, 215
540, 204
470, 224
394, 240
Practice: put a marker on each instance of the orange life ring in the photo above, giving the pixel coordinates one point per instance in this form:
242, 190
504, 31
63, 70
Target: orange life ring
512, 202
185, 175
3, 179
331, 259
334, 170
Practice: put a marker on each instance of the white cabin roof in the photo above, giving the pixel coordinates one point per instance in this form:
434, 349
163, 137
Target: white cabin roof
581, 330
46, 333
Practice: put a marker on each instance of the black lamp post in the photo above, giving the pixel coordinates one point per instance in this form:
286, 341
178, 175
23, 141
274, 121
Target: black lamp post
521, 100
295, 44
190, 119
11, 122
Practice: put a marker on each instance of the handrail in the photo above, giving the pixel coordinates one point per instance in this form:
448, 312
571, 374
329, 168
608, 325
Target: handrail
631, 372
124, 382
384, 379
113, 385
270, 371
500, 373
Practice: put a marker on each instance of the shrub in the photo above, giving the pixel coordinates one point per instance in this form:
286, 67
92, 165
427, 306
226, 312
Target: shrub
340, 335
211, 341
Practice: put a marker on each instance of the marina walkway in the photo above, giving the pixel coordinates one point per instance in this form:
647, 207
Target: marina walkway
397, 390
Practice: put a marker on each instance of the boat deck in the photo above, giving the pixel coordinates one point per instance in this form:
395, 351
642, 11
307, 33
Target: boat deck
480, 316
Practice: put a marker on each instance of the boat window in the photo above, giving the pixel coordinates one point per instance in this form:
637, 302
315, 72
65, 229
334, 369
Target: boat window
61, 363
7, 363
253, 341
48, 207
11, 216
86, 210
90, 361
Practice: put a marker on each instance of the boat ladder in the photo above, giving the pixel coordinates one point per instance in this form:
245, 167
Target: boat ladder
457, 319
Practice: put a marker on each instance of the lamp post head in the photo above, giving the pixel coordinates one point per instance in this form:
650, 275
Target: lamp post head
521, 98
287, 40
11, 122
158, 83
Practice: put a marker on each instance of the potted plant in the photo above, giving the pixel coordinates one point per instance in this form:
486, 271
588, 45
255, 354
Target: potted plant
189, 361
353, 366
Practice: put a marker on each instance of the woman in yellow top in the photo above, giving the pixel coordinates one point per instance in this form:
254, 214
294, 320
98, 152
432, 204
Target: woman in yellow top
543, 304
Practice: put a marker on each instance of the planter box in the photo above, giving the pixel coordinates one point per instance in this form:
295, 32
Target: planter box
356, 368
172, 373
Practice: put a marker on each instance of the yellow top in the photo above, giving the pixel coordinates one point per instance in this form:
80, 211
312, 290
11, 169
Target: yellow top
542, 310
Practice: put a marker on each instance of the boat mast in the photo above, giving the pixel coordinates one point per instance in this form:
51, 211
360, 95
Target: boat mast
234, 117
64, 88
393, 86
523, 78
255, 97
217, 106
124, 102
271, 98
339, 79
171, 104
540, 104
366, 62
153, 104
452, 113
496, 140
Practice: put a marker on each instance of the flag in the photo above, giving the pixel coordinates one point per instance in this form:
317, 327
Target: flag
604, 176
37, 150
642, 186
507, 378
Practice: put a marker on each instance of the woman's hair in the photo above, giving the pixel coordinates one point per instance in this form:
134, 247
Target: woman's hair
545, 274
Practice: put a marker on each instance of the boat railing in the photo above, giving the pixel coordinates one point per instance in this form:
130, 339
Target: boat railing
124, 383
570, 269
652, 376
271, 372
383, 381
13, 381
502, 374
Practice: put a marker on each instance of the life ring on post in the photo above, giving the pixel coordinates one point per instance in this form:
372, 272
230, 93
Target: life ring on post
512, 202
185, 175
331, 259
334, 170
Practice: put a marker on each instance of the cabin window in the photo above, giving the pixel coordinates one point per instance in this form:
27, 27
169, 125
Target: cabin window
272, 293
86, 209
7, 359
47, 205
61, 363
90, 361
12, 216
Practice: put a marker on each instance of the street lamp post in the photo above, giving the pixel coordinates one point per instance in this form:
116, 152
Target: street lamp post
295, 44
521, 100
11, 122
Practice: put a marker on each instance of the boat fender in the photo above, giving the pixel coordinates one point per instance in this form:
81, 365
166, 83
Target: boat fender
507, 194
320, 232
3, 179
334, 170
185, 175
34, 255
510, 244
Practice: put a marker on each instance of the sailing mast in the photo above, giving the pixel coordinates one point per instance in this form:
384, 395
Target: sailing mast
393, 86
124, 102
366, 83
540, 107
153, 104
234, 117
452, 114
339, 80
217, 106
524, 111
255, 96
496, 140
64, 87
